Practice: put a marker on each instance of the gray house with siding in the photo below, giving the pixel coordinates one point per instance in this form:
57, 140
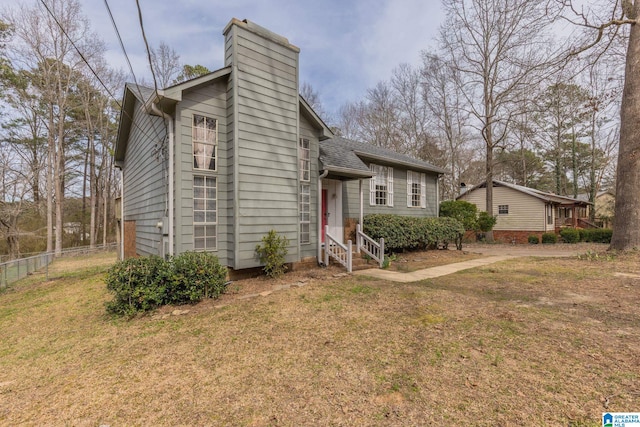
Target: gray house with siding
214, 163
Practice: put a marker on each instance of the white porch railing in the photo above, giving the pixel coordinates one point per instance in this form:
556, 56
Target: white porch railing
338, 251
369, 246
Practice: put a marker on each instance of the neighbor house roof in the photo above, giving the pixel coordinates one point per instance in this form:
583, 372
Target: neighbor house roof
547, 197
346, 157
585, 196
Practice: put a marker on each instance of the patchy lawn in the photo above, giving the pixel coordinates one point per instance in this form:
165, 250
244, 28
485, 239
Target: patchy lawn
529, 341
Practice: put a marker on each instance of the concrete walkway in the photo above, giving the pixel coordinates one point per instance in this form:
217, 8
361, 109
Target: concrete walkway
429, 273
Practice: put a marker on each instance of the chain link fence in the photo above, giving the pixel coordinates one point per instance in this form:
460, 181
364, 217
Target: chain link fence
17, 269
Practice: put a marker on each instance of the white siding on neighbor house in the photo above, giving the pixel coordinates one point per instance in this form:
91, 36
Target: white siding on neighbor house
144, 181
351, 197
209, 101
526, 213
267, 140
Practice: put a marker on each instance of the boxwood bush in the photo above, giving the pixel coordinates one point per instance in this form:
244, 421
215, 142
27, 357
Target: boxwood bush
570, 235
403, 232
549, 238
143, 284
533, 239
596, 235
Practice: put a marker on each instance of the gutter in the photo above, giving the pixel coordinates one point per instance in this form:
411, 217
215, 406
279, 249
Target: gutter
153, 107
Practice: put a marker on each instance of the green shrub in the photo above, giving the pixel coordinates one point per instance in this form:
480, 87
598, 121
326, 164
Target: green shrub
196, 275
570, 235
272, 253
463, 211
533, 239
137, 284
549, 238
403, 232
486, 222
596, 235
143, 284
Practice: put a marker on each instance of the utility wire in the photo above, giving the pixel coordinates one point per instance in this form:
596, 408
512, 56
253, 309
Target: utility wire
146, 43
115, 27
153, 73
91, 68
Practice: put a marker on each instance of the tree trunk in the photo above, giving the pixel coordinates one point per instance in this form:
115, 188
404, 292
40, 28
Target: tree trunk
59, 186
489, 190
51, 150
626, 232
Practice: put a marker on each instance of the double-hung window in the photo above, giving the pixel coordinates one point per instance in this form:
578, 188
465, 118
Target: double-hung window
416, 190
304, 172
381, 186
503, 209
205, 142
205, 213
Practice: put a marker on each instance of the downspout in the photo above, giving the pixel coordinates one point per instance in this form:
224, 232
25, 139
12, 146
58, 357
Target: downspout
320, 231
121, 215
360, 217
438, 195
170, 197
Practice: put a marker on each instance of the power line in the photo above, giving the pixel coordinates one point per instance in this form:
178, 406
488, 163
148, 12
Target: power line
146, 43
153, 74
115, 27
94, 72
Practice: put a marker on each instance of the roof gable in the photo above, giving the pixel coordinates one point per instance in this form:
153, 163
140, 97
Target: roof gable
341, 154
547, 197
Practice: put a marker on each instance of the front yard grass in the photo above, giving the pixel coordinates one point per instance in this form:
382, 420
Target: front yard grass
523, 342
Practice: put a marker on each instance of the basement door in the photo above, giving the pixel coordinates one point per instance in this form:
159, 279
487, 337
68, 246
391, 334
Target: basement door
332, 208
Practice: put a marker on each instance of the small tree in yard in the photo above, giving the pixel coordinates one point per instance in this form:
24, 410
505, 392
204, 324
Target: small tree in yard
486, 222
272, 254
463, 211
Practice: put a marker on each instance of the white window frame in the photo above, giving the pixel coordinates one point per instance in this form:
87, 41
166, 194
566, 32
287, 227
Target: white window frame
304, 174
204, 137
420, 180
304, 155
503, 209
305, 213
380, 172
205, 213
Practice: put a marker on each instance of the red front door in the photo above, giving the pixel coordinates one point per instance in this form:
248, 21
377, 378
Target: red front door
325, 214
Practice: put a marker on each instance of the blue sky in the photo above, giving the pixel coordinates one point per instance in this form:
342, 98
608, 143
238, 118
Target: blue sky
346, 46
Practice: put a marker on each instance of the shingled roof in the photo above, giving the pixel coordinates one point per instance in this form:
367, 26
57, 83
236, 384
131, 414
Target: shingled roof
345, 157
547, 197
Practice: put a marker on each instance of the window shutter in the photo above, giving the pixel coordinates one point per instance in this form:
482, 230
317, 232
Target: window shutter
390, 186
423, 190
372, 187
409, 187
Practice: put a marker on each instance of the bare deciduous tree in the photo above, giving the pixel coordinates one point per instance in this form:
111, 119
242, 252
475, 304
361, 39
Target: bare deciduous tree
166, 64
450, 120
603, 27
497, 47
45, 45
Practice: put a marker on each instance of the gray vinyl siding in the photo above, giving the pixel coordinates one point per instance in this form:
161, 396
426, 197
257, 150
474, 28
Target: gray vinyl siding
351, 197
209, 101
307, 131
526, 213
267, 141
144, 181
